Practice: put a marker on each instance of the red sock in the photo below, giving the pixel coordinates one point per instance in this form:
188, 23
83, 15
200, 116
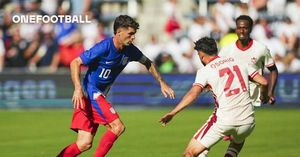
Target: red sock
71, 150
105, 144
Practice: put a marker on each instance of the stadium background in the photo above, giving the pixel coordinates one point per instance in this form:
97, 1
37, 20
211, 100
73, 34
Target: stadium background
35, 87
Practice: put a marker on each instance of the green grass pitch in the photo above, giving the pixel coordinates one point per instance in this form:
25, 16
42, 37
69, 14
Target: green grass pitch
43, 133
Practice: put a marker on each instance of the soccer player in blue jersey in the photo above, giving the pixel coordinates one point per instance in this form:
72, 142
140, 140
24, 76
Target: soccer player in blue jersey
105, 61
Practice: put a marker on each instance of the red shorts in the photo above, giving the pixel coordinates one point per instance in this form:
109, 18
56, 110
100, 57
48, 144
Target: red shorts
96, 112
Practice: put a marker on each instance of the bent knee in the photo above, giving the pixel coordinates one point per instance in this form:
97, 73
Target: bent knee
84, 145
188, 154
118, 129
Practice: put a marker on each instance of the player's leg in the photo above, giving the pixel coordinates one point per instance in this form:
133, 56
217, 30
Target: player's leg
83, 143
114, 130
194, 148
209, 122
84, 140
234, 149
85, 128
208, 135
71, 150
105, 114
238, 139
204, 153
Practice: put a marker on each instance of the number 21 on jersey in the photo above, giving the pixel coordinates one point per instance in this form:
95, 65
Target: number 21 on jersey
232, 74
104, 73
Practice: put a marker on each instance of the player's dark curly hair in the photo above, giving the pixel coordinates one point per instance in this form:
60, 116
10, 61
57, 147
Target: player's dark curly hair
125, 21
207, 45
245, 17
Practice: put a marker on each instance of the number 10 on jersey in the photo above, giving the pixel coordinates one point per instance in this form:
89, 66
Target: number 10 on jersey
104, 73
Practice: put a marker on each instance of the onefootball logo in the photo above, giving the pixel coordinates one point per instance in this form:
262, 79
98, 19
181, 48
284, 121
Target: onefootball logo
50, 19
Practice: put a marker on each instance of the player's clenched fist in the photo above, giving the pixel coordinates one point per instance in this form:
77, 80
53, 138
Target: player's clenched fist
272, 100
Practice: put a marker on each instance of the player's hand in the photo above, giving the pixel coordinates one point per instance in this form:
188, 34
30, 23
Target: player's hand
77, 99
272, 100
167, 91
166, 119
264, 99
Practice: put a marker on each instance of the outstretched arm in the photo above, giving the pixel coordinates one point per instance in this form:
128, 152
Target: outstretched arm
75, 75
189, 97
165, 89
273, 82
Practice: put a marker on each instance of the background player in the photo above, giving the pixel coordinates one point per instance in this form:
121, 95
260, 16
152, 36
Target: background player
252, 52
105, 61
228, 79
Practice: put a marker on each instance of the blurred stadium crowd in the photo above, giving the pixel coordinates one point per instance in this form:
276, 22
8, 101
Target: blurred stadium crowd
49, 47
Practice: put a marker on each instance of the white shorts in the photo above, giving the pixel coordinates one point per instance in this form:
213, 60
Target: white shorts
211, 132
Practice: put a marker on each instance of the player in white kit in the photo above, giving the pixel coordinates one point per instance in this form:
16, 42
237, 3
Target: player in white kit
228, 79
254, 53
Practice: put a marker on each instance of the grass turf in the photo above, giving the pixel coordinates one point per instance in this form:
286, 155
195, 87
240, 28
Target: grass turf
43, 133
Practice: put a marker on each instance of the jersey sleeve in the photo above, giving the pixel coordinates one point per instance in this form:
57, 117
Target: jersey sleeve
252, 71
135, 54
201, 78
96, 51
268, 58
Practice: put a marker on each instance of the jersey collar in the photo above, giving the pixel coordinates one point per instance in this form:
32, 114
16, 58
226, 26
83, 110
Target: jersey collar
239, 46
213, 58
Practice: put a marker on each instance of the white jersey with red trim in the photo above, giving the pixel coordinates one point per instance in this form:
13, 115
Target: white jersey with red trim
228, 79
255, 54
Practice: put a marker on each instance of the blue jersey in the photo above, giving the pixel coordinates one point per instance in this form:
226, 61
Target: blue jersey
104, 65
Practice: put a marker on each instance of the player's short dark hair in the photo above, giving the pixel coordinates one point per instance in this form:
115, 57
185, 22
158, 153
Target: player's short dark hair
125, 21
245, 17
207, 45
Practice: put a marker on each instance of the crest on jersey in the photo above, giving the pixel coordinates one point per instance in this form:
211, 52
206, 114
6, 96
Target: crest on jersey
112, 110
125, 60
253, 60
